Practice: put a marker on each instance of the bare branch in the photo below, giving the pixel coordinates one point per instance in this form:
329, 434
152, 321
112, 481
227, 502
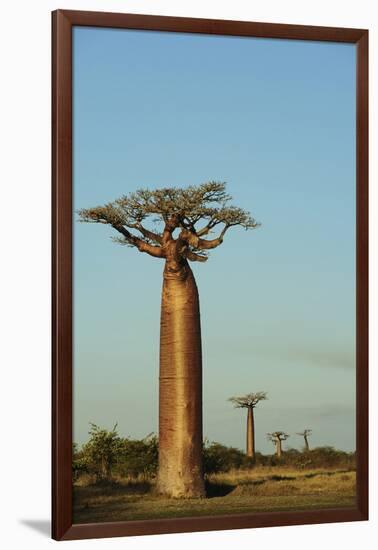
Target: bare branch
193, 257
306, 433
201, 244
141, 245
181, 208
149, 234
205, 230
204, 244
277, 436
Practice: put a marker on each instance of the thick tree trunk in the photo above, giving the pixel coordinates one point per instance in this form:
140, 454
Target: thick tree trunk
279, 448
180, 387
250, 434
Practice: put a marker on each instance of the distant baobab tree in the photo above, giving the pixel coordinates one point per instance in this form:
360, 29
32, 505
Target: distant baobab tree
305, 434
185, 216
249, 402
277, 438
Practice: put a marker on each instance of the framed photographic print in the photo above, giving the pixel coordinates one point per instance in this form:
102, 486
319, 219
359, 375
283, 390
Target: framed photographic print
210, 274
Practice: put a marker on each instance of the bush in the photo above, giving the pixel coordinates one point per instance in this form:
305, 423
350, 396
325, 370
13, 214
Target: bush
99, 454
319, 457
106, 454
219, 458
79, 463
138, 457
326, 457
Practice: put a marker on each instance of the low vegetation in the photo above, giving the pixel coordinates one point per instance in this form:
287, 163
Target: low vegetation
114, 480
237, 491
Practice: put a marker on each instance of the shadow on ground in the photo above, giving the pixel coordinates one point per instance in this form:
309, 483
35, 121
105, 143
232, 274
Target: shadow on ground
218, 489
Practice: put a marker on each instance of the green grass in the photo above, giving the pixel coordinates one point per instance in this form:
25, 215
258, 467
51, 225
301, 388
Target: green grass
236, 492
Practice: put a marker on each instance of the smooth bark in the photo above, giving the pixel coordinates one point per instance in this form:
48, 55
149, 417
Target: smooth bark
250, 433
180, 399
279, 448
180, 385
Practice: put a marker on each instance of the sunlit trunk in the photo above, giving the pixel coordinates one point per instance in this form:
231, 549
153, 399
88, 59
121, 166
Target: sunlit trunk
180, 387
279, 448
250, 433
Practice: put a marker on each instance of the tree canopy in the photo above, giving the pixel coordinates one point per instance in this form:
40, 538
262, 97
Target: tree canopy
277, 436
306, 433
250, 400
194, 211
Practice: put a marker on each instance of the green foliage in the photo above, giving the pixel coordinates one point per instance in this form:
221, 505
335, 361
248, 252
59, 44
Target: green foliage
79, 463
138, 457
219, 458
101, 451
319, 457
107, 455
325, 457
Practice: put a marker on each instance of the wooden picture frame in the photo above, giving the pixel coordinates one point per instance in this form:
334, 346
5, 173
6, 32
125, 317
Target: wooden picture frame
62, 23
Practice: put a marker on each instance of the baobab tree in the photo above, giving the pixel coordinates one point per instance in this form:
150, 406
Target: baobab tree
249, 402
184, 217
277, 438
305, 434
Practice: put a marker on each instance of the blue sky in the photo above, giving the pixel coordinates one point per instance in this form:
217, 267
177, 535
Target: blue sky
275, 119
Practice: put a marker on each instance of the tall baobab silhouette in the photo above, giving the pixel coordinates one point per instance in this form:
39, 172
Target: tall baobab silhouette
305, 434
185, 216
277, 438
249, 402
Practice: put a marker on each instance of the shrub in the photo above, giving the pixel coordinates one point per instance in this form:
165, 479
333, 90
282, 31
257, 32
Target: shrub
319, 457
219, 458
79, 463
138, 457
99, 454
107, 454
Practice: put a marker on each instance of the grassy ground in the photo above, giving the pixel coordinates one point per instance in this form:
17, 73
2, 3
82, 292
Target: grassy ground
258, 490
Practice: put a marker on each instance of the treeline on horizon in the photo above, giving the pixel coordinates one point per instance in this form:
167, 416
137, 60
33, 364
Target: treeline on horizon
107, 455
